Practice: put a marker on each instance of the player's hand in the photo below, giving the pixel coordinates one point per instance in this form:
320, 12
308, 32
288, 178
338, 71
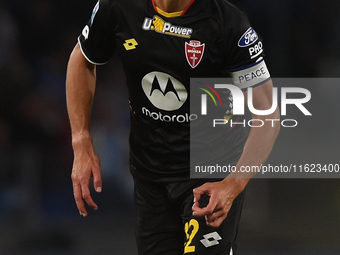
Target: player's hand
222, 195
158, 24
86, 165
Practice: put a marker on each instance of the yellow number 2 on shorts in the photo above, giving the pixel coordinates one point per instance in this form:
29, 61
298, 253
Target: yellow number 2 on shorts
190, 229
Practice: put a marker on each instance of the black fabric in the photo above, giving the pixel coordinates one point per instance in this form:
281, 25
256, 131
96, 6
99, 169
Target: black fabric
165, 225
158, 68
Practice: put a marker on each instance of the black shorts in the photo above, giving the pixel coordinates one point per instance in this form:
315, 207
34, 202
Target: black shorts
165, 225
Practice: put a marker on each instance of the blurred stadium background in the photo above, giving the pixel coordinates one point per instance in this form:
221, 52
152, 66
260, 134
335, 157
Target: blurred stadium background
37, 211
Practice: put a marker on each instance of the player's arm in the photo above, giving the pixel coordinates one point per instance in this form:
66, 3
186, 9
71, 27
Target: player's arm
80, 89
261, 140
256, 150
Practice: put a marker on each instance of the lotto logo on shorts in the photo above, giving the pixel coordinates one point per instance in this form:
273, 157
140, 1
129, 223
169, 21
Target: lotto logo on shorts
160, 26
211, 239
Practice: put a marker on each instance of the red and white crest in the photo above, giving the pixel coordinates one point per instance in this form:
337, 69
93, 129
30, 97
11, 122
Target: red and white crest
194, 51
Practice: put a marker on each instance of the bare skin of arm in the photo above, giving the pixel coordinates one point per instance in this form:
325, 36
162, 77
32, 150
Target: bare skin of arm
256, 150
80, 89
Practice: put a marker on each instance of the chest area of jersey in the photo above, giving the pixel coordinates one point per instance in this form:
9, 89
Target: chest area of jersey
168, 43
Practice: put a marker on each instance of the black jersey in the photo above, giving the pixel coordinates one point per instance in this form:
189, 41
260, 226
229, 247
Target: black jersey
160, 52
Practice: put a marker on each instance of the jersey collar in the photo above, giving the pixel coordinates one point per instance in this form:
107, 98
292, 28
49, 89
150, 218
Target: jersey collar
171, 14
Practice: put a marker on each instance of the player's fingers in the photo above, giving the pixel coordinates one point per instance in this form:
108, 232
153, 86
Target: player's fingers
87, 196
97, 180
199, 191
218, 216
196, 209
200, 212
217, 222
211, 207
214, 216
79, 199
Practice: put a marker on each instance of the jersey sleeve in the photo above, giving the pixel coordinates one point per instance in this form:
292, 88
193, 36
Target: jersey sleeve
244, 54
97, 38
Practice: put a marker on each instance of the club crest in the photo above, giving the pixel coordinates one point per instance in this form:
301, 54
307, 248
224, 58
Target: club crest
194, 51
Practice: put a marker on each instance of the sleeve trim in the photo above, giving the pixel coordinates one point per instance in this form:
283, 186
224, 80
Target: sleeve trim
245, 67
87, 58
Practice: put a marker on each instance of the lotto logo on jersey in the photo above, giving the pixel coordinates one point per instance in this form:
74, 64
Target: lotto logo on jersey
194, 51
160, 26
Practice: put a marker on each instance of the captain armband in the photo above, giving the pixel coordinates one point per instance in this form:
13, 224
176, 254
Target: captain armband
250, 76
